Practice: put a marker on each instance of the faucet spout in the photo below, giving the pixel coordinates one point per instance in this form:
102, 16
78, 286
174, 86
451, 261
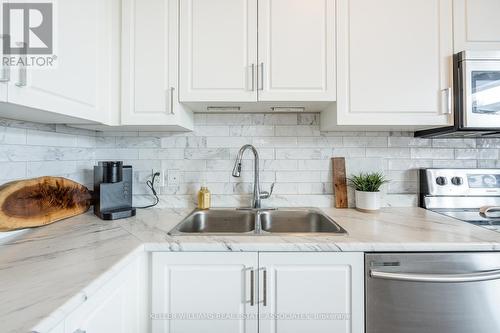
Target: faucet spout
237, 169
257, 194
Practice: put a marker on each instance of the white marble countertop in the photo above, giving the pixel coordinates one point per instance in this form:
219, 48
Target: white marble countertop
46, 273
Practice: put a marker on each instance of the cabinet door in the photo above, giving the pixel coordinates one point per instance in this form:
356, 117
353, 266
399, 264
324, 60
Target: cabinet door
119, 307
311, 292
394, 62
297, 50
4, 70
204, 286
218, 50
80, 84
476, 25
58, 329
150, 64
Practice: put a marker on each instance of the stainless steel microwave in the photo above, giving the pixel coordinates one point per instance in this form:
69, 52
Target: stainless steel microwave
476, 90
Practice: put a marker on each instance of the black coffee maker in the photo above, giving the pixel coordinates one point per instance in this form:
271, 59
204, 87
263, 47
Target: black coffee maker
113, 190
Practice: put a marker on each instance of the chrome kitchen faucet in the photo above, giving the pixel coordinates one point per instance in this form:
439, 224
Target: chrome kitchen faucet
257, 194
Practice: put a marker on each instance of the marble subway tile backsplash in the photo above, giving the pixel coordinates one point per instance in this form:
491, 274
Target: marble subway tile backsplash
294, 154
29, 150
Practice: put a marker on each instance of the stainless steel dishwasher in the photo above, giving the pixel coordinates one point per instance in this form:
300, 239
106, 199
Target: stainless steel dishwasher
433, 292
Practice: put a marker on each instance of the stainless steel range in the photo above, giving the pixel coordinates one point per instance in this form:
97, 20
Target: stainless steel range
470, 195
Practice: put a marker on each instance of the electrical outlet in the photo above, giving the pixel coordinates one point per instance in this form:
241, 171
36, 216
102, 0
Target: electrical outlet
173, 178
159, 180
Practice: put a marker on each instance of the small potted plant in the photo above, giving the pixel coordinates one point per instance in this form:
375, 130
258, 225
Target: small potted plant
367, 190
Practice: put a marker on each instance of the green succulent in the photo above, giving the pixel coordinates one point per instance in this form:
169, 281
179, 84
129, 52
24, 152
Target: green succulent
368, 182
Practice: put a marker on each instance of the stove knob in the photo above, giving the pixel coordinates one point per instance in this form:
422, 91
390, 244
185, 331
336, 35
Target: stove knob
441, 181
457, 181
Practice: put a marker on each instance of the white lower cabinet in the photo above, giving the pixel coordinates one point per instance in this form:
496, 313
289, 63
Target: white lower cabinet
288, 292
204, 292
311, 292
121, 306
58, 329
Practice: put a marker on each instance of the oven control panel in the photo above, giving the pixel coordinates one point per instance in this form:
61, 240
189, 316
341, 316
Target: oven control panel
460, 182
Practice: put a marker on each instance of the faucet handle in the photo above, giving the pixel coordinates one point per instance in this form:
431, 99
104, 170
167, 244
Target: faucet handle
272, 189
265, 194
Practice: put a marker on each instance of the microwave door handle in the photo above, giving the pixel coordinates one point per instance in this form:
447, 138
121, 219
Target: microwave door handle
437, 278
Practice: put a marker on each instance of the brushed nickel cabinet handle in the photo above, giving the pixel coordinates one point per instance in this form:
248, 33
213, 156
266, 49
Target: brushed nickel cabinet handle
250, 78
252, 287
5, 72
264, 287
253, 77
261, 78
449, 101
23, 81
172, 100
23, 72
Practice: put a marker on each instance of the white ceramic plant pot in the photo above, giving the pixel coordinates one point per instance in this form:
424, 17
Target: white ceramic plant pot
367, 201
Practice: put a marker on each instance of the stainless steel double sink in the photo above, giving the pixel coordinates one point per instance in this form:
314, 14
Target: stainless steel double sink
231, 222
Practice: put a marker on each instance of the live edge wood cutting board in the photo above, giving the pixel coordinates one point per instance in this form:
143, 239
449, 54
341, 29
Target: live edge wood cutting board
339, 182
40, 201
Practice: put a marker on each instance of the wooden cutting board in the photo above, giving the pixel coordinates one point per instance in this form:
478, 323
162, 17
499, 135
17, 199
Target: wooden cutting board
339, 182
40, 201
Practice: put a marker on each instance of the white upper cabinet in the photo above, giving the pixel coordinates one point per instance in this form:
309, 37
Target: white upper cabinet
296, 50
257, 50
81, 84
4, 74
311, 284
218, 50
394, 63
201, 285
150, 65
4, 70
476, 25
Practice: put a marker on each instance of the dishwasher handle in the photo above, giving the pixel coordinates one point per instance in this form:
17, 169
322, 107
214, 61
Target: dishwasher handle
437, 278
